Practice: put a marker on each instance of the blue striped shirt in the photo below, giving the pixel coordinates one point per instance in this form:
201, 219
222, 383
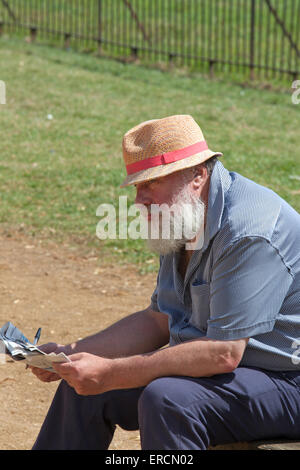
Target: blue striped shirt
245, 281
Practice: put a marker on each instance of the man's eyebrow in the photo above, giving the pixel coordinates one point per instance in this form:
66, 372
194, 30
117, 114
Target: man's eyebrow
153, 181
146, 183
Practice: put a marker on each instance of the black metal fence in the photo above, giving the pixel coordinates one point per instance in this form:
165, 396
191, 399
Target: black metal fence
255, 38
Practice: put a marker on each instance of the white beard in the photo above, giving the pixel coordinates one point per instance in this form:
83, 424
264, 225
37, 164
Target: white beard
172, 226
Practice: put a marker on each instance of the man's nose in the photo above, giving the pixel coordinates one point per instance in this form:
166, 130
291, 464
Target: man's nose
142, 196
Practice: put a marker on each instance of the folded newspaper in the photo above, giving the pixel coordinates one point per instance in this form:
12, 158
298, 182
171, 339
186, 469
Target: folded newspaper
19, 348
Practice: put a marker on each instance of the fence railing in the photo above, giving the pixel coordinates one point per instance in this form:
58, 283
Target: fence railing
256, 38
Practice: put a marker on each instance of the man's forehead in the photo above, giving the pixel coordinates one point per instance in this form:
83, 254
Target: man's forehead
163, 180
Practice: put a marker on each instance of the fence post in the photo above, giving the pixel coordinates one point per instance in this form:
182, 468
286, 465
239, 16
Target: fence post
134, 52
252, 40
211, 68
33, 33
67, 40
99, 26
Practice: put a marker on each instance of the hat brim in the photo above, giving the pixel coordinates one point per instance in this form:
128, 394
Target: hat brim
164, 170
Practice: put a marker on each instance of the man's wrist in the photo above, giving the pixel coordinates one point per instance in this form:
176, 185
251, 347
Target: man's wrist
131, 372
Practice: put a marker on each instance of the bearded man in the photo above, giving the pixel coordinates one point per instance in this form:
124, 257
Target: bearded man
214, 358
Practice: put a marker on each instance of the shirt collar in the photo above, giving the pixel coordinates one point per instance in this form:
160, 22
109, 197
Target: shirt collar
220, 182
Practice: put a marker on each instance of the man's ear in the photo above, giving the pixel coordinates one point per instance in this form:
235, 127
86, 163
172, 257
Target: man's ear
200, 175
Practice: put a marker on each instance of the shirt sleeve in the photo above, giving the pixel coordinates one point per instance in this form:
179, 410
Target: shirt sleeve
153, 301
248, 286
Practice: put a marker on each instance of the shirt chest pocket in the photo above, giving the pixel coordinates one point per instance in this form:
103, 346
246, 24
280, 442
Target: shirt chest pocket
200, 296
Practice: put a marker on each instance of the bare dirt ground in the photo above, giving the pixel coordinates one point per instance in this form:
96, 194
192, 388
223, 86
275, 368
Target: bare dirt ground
70, 296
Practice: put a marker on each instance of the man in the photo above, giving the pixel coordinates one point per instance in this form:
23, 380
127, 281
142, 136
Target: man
214, 358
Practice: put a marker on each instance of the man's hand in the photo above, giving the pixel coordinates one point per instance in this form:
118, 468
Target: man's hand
45, 375
87, 374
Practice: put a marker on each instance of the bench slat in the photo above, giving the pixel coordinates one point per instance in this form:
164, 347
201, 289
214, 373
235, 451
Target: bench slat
260, 445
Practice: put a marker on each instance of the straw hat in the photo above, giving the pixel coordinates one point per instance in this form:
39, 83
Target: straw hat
162, 146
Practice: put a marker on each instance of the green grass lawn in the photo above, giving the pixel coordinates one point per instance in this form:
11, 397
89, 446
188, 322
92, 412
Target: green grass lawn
55, 172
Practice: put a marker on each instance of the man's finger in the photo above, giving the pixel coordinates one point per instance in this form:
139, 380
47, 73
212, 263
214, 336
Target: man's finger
44, 375
63, 367
76, 356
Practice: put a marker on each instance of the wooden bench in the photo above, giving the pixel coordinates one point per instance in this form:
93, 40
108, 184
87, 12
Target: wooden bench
260, 445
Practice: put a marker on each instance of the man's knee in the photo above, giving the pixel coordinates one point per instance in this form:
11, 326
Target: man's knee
157, 397
165, 418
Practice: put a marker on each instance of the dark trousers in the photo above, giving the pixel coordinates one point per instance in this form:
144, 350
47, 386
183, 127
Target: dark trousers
176, 413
